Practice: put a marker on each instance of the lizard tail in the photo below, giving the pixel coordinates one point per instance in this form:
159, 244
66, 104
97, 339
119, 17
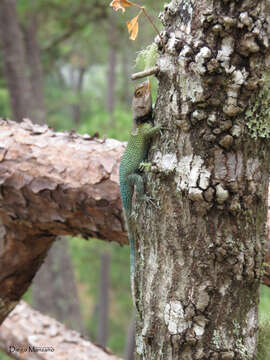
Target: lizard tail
132, 264
126, 196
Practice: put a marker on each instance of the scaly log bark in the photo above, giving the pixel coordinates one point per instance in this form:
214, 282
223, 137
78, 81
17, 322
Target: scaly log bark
49, 340
50, 187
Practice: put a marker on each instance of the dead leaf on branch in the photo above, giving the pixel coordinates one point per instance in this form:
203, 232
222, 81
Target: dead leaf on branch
133, 27
120, 5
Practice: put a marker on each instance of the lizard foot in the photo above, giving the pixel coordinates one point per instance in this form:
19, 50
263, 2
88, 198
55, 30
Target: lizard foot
145, 166
149, 200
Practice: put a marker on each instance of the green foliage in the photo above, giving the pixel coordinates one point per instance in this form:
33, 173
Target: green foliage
147, 57
258, 116
4, 103
263, 352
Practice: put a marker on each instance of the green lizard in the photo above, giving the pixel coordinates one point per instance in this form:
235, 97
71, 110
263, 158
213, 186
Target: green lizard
135, 153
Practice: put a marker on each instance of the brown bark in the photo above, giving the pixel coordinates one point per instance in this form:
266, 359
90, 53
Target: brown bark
200, 252
14, 60
28, 329
52, 184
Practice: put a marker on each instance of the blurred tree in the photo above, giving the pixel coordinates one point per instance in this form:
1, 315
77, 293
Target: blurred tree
103, 306
33, 57
16, 69
113, 47
54, 290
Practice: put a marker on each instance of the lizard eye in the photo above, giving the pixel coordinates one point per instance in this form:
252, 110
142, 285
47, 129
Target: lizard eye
139, 92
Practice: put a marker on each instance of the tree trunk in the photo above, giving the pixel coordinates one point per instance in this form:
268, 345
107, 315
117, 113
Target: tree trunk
126, 95
14, 60
111, 72
33, 58
130, 339
54, 290
103, 308
199, 262
76, 108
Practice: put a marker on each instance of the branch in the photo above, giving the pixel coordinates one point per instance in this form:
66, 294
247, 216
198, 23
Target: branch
153, 70
28, 329
60, 183
52, 184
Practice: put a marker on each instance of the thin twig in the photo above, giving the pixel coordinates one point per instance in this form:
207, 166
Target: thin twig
154, 26
151, 71
151, 21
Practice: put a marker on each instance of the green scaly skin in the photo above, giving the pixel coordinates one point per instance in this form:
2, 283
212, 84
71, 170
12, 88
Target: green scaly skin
136, 151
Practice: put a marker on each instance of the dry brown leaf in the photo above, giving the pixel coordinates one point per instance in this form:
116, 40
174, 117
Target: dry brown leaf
120, 5
133, 27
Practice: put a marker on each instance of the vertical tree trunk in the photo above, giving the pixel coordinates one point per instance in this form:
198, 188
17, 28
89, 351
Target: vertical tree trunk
54, 289
199, 262
76, 108
130, 339
110, 103
103, 309
125, 93
33, 58
14, 60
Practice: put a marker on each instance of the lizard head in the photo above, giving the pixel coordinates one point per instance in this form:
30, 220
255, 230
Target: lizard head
142, 102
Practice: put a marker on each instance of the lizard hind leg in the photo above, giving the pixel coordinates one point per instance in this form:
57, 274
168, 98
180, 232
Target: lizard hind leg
136, 179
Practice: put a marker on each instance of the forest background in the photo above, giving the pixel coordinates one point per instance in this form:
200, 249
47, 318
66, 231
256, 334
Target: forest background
85, 61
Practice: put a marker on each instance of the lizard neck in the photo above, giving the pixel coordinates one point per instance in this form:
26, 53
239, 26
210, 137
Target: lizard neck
145, 118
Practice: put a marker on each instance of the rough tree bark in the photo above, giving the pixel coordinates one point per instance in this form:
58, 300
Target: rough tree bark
199, 261
52, 184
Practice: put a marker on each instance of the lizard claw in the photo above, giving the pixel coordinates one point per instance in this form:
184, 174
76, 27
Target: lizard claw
145, 166
149, 200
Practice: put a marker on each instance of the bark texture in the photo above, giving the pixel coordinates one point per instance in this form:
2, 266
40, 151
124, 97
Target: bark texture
52, 184
61, 343
199, 262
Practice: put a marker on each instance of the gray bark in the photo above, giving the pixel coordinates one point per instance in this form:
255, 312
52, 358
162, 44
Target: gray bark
200, 255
